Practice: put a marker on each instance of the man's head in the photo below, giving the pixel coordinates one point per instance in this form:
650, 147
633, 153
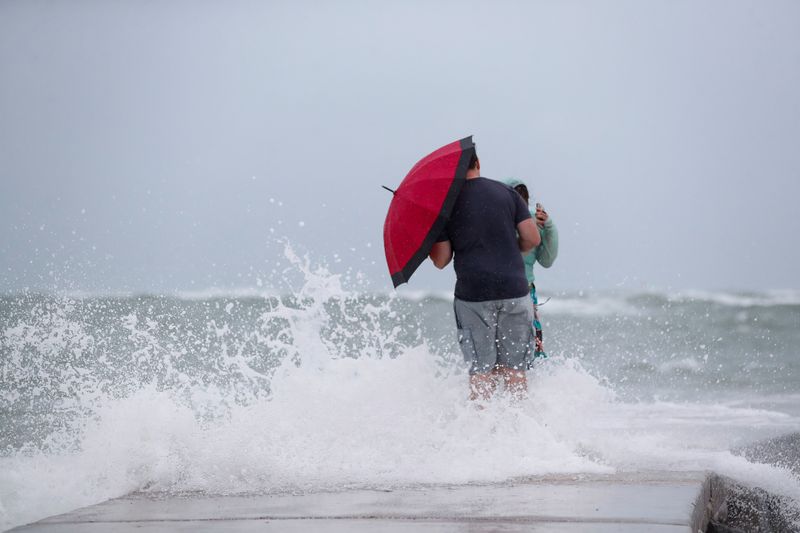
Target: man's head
474, 167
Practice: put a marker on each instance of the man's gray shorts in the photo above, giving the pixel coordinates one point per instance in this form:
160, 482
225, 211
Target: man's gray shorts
495, 333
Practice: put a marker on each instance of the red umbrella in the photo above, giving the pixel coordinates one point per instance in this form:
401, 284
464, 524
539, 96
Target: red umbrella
421, 206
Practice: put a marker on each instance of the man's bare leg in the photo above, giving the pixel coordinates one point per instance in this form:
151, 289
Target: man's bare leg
515, 381
482, 386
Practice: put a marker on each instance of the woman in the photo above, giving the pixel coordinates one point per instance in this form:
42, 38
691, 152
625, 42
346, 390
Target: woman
545, 254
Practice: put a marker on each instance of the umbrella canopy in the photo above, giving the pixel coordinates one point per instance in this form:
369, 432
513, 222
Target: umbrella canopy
421, 206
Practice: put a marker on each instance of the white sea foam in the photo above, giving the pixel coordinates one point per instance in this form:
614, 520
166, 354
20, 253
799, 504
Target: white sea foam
336, 423
225, 292
598, 305
761, 299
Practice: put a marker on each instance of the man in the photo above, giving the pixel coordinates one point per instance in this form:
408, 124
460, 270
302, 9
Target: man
545, 254
489, 226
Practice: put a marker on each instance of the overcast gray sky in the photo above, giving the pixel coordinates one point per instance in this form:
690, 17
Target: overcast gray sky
162, 146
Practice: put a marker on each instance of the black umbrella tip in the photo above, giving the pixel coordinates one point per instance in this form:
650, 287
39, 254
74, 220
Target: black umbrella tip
398, 279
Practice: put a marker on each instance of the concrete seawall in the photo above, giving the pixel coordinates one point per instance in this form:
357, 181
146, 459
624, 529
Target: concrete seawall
658, 502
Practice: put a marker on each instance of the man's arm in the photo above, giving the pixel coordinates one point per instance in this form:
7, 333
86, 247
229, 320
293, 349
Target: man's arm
528, 235
441, 254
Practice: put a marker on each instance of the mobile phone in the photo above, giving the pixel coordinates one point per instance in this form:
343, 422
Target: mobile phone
538, 206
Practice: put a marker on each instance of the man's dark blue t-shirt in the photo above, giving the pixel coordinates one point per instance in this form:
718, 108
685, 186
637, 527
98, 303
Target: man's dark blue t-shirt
483, 233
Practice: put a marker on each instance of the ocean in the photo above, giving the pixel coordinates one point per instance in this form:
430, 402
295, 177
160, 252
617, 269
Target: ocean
322, 386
